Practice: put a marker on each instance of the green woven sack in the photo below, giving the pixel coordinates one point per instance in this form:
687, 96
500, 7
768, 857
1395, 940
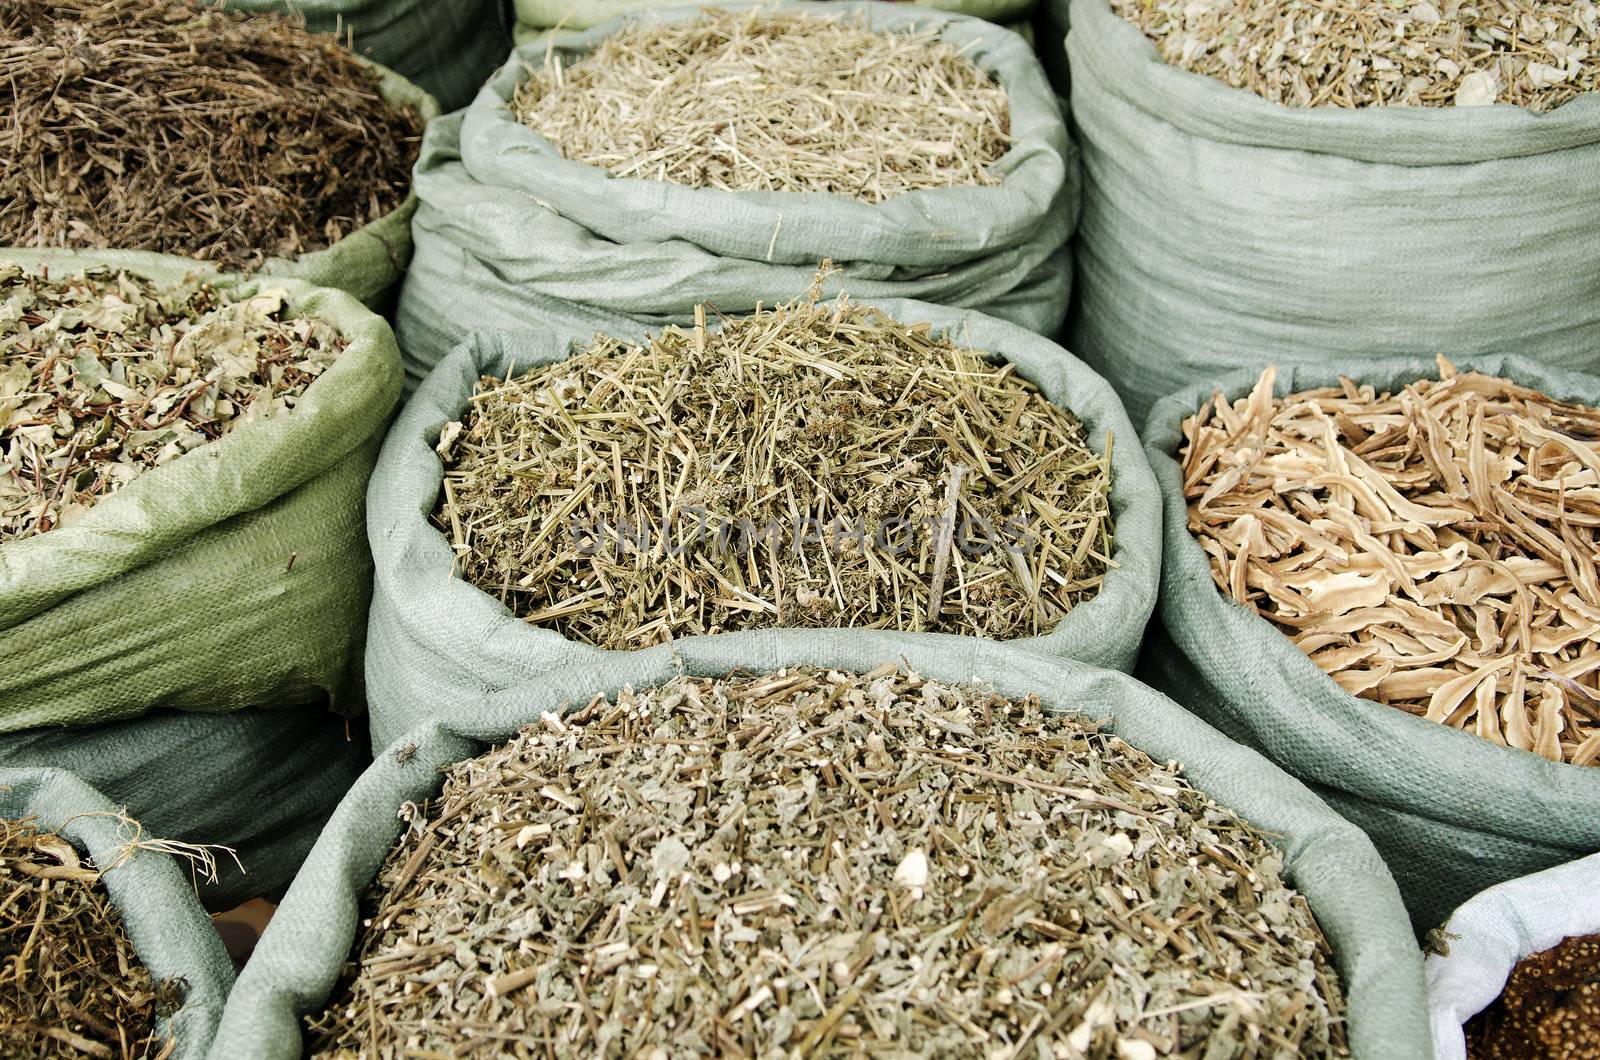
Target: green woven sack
1451, 813
435, 641
170, 932
536, 16
511, 229
1220, 229
179, 589
299, 958
446, 46
260, 782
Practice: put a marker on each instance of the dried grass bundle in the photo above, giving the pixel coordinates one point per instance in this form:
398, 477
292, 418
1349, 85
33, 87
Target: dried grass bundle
812, 465
73, 986
1536, 54
824, 864
1435, 550
104, 376
169, 126
764, 100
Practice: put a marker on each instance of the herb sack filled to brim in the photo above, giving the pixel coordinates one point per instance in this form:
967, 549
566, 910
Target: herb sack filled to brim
535, 17
260, 783
904, 470
447, 49
107, 951
183, 457
177, 127
1516, 972
779, 855
1268, 183
626, 173
1387, 584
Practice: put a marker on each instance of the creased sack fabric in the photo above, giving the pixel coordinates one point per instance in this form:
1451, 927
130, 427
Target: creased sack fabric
446, 46
299, 958
260, 782
1488, 935
436, 641
511, 235
170, 932
1451, 812
177, 590
1220, 229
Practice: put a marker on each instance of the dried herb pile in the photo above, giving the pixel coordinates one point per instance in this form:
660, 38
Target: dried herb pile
105, 375
70, 983
1433, 549
1550, 1007
767, 100
182, 128
824, 864
811, 465
1536, 54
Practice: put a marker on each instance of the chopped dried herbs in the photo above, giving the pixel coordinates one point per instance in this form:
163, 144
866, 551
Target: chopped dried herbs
1536, 54
183, 128
811, 465
766, 100
1550, 1008
823, 864
70, 983
1433, 549
105, 375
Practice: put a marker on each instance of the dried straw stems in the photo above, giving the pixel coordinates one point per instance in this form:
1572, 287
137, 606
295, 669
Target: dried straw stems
1435, 549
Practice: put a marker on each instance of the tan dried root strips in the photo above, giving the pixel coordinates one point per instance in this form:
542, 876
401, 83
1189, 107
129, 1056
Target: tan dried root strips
823, 864
1434, 549
71, 985
811, 465
105, 375
1362, 53
182, 128
766, 100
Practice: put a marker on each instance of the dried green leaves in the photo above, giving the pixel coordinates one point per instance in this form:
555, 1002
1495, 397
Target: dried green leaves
105, 375
182, 128
765, 100
823, 864
1537, 54
70, 984
813, 465
1437, 550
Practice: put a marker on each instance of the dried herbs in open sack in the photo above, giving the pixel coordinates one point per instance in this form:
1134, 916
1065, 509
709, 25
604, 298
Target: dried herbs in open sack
1433, 548
833, 864
811, 465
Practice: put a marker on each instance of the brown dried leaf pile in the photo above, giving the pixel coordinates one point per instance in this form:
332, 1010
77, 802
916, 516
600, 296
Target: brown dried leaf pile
1550, 1007
1434, 550
825, 864
1536, 54
178, 127
765, 100
71, 985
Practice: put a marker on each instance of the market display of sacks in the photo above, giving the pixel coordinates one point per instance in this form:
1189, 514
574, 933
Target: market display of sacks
525, 237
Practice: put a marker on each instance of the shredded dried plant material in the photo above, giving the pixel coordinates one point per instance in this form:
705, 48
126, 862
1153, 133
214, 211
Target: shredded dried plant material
816, 863
182, 128
105, 375
1550, 1008
813, 465
71, 985
767, 100
1536, 54
1434, 550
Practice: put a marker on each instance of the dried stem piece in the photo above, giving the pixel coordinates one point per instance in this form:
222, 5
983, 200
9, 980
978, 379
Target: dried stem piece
823, 864
1434, 549
106, 375
179, 127
1536, 54
71, 984
765, 100
790, 469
